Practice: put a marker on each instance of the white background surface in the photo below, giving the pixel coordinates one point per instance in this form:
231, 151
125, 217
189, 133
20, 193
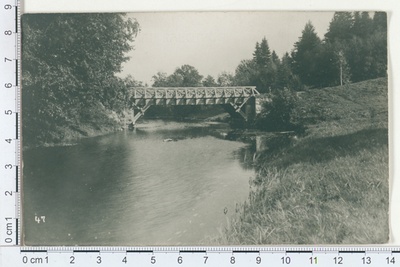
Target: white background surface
391, 6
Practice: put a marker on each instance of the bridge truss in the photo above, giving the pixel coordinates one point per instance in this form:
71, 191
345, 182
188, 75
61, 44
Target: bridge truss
239, 100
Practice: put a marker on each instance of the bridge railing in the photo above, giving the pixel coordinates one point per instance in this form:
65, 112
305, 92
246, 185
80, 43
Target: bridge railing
235, 98
192, 92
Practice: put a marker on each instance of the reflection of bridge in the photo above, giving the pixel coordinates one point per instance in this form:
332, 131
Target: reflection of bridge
238, 101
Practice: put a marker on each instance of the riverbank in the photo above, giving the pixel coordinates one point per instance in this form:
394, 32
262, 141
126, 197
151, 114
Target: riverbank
92, 124
102, 121
329, 186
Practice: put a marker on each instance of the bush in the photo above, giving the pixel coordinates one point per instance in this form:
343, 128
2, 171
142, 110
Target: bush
278, 112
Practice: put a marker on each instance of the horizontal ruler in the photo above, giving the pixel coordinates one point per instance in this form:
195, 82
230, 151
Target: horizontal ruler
200, 256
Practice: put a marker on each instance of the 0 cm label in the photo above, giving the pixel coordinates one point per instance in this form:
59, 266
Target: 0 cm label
9, 231
35, 260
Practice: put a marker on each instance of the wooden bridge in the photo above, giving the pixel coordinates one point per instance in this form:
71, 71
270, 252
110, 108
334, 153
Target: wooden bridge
237, 101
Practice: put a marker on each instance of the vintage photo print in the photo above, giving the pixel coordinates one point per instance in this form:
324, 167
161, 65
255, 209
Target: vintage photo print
205, 128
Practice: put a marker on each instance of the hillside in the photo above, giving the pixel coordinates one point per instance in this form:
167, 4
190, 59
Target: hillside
346, 109
329, 186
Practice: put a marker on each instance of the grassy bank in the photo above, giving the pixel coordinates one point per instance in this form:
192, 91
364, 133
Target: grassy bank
329, 186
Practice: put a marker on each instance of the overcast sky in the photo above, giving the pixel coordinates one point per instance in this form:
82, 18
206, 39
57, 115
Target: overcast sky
212, 42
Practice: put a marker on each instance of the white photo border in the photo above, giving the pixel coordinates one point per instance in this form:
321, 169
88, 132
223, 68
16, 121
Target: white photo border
392, 7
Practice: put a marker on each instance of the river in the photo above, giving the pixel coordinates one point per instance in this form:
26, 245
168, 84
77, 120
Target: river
135, 188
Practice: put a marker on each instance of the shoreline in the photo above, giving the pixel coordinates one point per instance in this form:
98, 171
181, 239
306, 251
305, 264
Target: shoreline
88, 131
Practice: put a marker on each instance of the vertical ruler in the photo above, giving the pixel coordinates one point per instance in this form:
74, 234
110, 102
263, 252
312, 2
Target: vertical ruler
10, 121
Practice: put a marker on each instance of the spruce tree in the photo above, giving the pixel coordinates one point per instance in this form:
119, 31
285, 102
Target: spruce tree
306, 56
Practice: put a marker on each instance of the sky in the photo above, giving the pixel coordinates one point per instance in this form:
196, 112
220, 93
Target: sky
212, 42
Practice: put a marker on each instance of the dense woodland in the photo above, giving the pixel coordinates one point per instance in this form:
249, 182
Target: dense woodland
70, 62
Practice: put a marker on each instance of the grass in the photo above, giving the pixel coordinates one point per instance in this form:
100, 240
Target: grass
329, 186
341, 110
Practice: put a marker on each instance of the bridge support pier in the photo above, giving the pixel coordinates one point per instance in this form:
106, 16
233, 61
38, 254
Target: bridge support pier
246, 111
139, 114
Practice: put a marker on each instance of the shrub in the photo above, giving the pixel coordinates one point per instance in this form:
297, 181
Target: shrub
278, 113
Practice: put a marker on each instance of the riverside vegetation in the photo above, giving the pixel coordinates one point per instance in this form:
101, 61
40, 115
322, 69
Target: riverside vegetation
329, 186
70, 87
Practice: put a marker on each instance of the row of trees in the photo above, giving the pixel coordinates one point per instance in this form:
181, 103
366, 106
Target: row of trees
353, 49
264, 70
189, 76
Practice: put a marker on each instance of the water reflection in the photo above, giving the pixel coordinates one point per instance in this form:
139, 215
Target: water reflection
261, 144
132, 188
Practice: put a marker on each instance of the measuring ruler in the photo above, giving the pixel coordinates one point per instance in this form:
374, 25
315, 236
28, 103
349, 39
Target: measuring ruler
13, 254
10, 112
197, 256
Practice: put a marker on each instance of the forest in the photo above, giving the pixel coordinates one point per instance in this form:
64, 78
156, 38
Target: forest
353, 50
71, 61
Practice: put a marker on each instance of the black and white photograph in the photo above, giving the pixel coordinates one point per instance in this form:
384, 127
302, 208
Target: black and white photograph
205, 128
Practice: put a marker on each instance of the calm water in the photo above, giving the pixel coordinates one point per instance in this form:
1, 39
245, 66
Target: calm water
132, 188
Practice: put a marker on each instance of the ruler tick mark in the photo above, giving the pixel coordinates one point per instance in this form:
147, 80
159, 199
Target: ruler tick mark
245, 251
351, 251
16, 125
192, 251
16, 19
16, 231
16, 179
299, 251
86, 251
33, 251
16, 72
